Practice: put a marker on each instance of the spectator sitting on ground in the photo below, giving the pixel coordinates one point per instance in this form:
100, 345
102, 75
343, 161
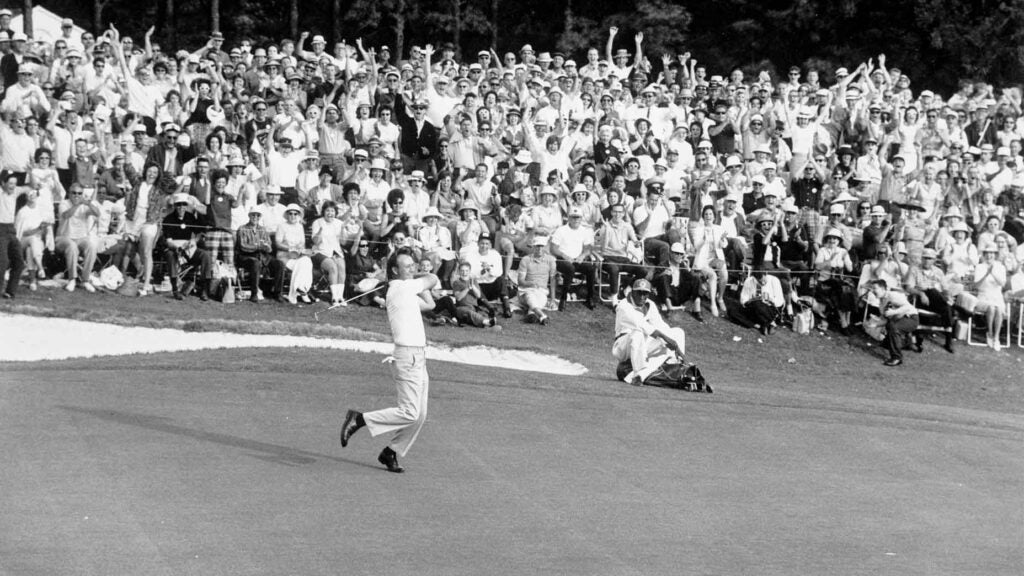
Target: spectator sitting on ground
537, 281
762, 300
471, 308
488, 277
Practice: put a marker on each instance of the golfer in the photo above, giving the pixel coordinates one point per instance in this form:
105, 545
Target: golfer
407, 297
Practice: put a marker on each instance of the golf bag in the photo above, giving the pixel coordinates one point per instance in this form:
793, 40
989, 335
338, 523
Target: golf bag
681, 376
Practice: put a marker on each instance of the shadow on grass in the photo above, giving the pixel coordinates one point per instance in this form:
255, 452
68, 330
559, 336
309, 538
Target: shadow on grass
273, 453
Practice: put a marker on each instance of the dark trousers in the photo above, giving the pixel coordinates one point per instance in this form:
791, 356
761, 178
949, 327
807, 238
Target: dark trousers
253, 264
613, 265
200, 260
569, 269
497, 290
761, 312
666, 293
897, 329
937, 304
656, 252
11, 258
802, 271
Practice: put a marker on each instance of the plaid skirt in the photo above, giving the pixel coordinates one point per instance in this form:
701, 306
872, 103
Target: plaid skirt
221, 246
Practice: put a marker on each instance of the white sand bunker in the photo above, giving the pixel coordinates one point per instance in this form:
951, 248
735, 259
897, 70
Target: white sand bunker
32, 338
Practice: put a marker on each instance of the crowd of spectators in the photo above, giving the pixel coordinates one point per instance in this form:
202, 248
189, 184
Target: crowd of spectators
523, 180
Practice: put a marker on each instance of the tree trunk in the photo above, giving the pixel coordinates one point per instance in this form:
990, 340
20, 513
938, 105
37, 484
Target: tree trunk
494, 25
335, 22
97, 16
457, 32
399, 30
26, 24
293, 19
172, 29
214, 16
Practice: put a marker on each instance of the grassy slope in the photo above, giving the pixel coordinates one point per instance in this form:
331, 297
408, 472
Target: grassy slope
834, 365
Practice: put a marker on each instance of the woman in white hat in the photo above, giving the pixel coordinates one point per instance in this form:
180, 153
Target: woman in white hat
834, 290
989, 280
547, 216
469, 228
376, 187
290, 240
913, 230
960, 255
943, 236
436, 242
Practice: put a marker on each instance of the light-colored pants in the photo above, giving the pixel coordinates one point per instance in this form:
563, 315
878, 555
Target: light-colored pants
412, 384
639, 348
72, 247
33, 246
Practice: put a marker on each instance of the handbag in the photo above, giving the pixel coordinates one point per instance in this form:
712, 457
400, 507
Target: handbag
111, 278
803, 321
875, 327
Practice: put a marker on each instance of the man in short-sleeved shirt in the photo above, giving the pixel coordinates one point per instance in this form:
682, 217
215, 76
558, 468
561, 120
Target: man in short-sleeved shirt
407, 298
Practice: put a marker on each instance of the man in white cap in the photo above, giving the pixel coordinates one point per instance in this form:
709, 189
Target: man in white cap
642, 337
254, 251
572, 245
272, 210
929, 284
181, 229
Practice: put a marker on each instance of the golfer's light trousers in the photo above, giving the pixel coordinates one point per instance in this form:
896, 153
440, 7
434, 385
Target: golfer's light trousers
412, 384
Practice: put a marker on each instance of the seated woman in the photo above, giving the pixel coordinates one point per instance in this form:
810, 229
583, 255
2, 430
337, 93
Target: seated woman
290, 240
989, 280
960, 256
768, 239
365, 277
709, 244
833, 290
328, 254
468, 228
31, 231
515, 234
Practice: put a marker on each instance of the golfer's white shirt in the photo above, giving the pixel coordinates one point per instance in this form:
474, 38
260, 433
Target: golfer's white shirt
404, 312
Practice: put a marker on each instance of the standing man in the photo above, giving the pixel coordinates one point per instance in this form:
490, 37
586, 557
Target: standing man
407, 298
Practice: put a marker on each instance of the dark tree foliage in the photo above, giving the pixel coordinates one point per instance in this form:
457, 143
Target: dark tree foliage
936, 42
